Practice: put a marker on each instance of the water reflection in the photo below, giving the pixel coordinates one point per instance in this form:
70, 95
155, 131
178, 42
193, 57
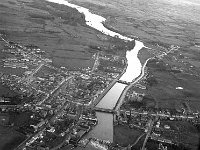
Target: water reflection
104, 128
110, 99
92, 20
133, 69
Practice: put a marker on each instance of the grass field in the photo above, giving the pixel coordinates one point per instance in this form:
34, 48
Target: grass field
161, 24
167, 21
9, 138
124, 136
59, 30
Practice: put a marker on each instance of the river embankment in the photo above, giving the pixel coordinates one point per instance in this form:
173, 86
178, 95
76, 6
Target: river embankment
104, 129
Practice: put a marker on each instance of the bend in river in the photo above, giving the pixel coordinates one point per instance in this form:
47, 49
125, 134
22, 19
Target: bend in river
95, 21
104, 130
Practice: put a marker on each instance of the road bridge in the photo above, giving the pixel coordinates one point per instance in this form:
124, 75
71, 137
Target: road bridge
105, 110
124, 82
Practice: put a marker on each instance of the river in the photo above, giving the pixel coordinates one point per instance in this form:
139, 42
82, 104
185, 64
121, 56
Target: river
133, 70
109, 100
104, 129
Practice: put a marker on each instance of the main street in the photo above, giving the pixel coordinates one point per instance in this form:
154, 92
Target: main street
32, 73
96, 63
54, 92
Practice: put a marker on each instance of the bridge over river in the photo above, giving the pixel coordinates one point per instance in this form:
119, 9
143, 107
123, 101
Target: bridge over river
105, 110
108, 99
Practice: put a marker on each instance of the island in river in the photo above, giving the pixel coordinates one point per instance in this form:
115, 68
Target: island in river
61, 88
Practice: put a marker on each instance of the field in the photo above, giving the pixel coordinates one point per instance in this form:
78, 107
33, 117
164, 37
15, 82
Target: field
160, 25
5, 91
167, 21
163, 81
124, 136
69, 42
59, 30
10, 138
187, 133
173, 79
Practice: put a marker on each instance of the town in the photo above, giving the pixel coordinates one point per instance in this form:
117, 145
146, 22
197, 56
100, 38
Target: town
54, 108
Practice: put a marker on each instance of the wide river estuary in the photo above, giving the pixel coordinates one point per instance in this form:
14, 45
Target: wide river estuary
104, 129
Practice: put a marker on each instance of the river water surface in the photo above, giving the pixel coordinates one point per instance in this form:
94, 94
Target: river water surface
104, 129
109, 100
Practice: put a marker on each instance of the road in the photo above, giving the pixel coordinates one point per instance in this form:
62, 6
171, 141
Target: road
136, 141
131, 84
32, 55
96, 63
32, 73
6, 41
149, 129
37, 69
31, 138
62, 83
124, 82
42, 129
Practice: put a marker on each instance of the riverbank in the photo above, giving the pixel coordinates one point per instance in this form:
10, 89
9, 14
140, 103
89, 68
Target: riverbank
58, 29
148, 21
104, 130
108, 101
